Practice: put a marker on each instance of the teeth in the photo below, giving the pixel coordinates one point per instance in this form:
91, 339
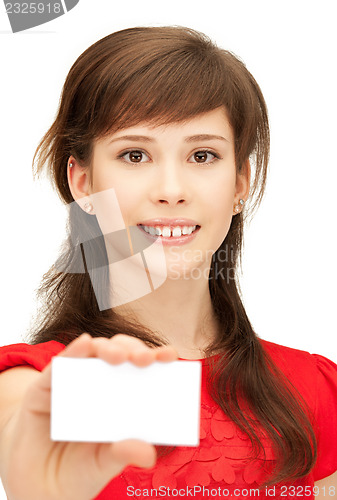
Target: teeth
166, 231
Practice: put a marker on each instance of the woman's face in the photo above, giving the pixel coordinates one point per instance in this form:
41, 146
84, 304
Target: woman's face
182, 173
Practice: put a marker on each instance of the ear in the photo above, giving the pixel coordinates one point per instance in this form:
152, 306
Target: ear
79, 184
243, 183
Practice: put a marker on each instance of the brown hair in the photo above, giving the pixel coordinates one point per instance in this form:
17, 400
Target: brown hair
165, 75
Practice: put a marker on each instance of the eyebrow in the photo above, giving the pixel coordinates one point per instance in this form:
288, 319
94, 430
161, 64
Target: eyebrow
192, 138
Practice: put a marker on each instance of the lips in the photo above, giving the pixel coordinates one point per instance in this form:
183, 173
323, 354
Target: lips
170, 231
169, 222
178, 235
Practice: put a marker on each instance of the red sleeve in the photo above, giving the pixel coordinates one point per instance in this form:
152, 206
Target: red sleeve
38, 356
326, 417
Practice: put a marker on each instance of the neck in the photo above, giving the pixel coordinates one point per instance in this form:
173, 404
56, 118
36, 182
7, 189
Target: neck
181, 312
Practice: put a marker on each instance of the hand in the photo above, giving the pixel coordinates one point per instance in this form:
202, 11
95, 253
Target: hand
41, 469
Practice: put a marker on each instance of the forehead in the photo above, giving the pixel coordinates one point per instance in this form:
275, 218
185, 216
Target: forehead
213, 122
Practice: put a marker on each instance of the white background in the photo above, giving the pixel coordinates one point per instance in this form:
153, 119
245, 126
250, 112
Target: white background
289, 269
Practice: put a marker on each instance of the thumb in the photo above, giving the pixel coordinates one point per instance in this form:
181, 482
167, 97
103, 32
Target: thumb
123, 453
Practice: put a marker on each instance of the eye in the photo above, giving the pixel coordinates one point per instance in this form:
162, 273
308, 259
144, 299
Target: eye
202, 156
133, 156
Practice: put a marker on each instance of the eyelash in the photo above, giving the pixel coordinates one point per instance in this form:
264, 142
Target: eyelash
124, 153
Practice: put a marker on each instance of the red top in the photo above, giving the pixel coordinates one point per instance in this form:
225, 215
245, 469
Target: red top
216, 468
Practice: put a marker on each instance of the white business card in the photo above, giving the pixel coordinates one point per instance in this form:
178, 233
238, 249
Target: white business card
94, 401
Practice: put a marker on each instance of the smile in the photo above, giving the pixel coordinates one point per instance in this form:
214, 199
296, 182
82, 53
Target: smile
175, 235
169, 232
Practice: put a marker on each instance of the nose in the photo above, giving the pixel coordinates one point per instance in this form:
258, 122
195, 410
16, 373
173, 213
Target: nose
170, 185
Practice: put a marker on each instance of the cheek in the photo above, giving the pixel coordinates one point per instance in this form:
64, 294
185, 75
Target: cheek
222, 202
118, 196
221, 194
129, 201
102, 179
222, 228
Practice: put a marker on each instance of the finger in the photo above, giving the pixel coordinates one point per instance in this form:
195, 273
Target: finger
118, 349
81, 347
101, 347
135, 452
166, 354
142, 357
109, 352
137, 352
121, 351
127, 452
107, 460
128, 341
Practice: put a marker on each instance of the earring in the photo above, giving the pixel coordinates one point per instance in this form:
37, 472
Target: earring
88, 207
71, 165
238, 207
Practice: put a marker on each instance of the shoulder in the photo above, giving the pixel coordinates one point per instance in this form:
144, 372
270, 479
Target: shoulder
292, 359
312, 374
288, 357
36, 356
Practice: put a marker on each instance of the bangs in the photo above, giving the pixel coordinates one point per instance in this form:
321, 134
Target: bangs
169, 80
178, 89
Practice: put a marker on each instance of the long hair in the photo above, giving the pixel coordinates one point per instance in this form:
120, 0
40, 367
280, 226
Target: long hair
165, 75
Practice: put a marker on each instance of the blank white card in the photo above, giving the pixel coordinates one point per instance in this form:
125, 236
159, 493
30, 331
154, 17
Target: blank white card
92, 400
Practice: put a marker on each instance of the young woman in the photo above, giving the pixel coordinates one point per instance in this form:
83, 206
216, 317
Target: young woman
161, 142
